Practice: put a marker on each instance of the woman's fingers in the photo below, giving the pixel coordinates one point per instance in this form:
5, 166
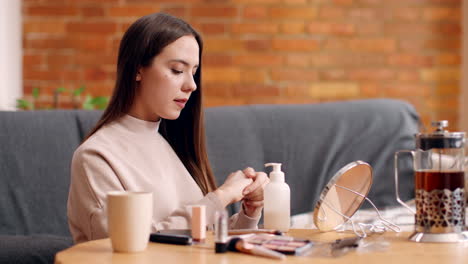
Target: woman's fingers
261, 180
249, 172
240, 176
256, 195
251, 203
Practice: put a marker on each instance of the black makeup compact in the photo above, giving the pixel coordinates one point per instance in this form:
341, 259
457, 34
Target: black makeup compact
284, 244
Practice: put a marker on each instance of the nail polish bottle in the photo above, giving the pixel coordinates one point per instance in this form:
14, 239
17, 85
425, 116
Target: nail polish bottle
199, 223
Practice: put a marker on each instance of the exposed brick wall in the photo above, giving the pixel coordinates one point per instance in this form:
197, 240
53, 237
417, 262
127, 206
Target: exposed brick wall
266, 51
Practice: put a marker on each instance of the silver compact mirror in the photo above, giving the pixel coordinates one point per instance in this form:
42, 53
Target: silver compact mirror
343, 195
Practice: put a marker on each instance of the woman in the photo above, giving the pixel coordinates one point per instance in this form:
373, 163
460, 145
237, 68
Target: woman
151, 138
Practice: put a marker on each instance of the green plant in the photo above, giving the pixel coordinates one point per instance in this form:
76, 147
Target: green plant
98, 102
88, 103
25, 104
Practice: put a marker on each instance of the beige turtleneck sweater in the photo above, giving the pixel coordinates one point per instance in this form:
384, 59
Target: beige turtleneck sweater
130, 154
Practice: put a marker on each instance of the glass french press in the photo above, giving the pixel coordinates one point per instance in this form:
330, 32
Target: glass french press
438, 164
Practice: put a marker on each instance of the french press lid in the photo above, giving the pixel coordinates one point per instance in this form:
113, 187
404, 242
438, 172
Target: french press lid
440, 138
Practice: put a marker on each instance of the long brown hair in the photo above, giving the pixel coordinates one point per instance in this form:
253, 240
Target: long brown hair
144, 40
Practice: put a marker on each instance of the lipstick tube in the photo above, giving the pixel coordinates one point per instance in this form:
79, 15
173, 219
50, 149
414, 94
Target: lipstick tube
221, 231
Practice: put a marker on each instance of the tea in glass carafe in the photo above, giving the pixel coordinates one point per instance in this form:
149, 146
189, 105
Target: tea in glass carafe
438, 164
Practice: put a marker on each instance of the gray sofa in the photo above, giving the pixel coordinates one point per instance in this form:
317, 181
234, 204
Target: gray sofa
312, 142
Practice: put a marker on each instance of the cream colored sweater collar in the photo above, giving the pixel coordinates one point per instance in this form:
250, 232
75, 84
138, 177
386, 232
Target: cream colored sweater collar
139, 125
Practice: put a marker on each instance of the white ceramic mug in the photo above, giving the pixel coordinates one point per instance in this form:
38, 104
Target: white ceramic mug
129, 216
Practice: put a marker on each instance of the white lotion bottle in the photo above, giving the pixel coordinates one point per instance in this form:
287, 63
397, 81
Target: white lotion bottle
277, 197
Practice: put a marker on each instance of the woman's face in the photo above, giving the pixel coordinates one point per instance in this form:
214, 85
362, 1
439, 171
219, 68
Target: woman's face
165, 86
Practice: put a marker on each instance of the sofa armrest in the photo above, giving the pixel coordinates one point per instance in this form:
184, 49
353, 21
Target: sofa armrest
32, 249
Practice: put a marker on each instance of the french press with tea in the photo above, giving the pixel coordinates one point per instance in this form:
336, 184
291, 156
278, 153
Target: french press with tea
438, 164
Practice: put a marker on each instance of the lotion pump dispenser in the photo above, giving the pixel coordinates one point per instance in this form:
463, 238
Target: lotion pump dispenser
277, 196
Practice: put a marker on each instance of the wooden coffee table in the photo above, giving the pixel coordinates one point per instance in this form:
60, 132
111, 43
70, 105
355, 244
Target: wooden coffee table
399, 250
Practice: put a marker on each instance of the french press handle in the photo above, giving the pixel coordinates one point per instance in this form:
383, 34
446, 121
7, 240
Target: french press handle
397, 191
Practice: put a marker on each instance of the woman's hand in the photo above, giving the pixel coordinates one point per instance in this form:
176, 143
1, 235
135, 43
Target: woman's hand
253, 194
232, 188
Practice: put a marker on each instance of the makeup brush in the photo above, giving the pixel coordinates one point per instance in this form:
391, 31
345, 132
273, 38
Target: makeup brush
237, 244
234, 232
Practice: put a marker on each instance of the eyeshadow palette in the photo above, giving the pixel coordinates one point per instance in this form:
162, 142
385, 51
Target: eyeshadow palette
284, 244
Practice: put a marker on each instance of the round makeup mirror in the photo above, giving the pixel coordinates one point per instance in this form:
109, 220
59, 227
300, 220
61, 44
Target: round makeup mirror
343, 195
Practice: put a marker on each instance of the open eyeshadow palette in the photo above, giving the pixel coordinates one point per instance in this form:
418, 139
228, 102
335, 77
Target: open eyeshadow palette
284, 244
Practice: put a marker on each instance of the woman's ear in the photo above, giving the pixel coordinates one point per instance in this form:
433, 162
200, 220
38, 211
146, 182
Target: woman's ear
138, 75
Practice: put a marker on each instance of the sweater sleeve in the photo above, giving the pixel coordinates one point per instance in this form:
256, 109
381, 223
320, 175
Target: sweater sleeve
93, 177
243, 221
180, 218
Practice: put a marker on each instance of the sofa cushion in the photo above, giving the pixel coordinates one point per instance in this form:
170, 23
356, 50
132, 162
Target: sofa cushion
36, 150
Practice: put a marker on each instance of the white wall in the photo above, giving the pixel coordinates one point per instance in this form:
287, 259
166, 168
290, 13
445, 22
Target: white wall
11, 87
